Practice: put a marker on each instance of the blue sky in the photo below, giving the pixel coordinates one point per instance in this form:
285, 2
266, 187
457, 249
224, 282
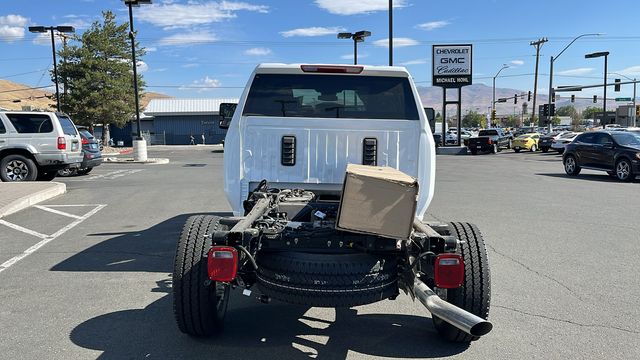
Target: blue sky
202, 48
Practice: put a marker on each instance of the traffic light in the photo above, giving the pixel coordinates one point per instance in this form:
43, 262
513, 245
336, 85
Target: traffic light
552, 110
617, 85
573, 98
595, 99
493, 115
637, 111
515, 98
553, 95
529, 96
545, 110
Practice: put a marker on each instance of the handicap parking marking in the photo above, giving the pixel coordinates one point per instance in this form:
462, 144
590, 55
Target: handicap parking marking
110, 175
46, 238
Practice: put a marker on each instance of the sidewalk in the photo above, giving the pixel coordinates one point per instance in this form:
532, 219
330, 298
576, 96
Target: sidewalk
15, 196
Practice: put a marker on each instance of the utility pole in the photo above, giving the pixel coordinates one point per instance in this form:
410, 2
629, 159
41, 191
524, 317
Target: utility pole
390, 32
537, 44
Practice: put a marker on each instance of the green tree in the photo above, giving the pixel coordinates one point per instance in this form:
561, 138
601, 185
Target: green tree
511, 121
590, 112
472, 119
97, 72
568, 110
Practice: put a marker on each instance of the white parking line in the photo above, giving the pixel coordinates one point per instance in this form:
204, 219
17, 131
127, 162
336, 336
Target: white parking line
45, 238
110, 175
54, 211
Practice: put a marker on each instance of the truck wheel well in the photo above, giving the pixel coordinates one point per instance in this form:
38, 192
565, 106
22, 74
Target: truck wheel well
22, 152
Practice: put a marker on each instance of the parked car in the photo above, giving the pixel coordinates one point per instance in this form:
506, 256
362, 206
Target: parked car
545, 141
560, 143
452, 136
91, 155
616, 152
526, 142
35, 145
437, 138
489, 140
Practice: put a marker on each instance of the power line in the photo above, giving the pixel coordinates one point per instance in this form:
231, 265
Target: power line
25, 89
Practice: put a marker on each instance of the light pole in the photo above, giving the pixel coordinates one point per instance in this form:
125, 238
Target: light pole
634, 94
553, 59
51, 29
140, 146
357, 37
605, 118
537, 44
493, 101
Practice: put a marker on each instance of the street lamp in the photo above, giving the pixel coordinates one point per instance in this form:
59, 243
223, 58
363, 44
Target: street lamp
60, 29
493, 102
553, 59
634, 94
357, 37
140, 147
604, 100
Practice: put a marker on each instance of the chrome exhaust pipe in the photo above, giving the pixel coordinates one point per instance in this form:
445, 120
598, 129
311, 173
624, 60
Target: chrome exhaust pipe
462, 319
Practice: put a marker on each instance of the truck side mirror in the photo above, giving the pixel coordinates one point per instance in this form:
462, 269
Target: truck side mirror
226, 111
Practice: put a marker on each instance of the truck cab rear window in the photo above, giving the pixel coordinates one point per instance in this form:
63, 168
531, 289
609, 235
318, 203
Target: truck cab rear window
31, 123
331, 96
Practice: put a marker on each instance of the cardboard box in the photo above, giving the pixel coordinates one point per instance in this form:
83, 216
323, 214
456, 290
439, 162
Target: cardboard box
378, 200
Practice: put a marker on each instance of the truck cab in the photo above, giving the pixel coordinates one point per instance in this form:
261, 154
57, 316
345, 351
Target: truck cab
298, 126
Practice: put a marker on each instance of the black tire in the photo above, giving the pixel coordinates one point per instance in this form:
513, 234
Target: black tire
545, 149
87, 170
47, 176
624, 170
199, 305
516, 150
571, 166
474, 152
475, 294
17, 167
561, 151
327, 280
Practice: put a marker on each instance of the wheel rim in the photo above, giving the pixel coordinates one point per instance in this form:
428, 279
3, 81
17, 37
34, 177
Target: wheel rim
65, 172
623, 170
17, 170
570, 165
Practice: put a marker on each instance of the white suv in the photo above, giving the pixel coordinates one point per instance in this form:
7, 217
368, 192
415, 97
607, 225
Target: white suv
35, 145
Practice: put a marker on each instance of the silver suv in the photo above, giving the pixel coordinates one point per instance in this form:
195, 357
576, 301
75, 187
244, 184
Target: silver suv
35, 145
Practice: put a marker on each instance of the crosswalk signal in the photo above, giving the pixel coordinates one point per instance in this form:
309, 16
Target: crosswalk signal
595, 99
573, 98
616, 87
545, 110
529, 96
552, 110
493, 115
515, 98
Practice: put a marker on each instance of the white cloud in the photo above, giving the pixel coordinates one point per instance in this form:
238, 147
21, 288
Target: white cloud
12, 27
142, 66
350, 56
432, 25
258, 51
630, 71
204, 84
190, 65
188, 38
517, 62
44, 39
172, 15
414, 62
397, 42
575, 72
352, 7
313, 31
151, 49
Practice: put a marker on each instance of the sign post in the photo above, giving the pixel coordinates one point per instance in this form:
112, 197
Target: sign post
452, 65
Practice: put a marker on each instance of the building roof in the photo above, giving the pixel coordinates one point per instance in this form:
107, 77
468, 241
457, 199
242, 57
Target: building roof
160, 107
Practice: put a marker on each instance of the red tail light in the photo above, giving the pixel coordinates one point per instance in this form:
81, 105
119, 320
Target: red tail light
489, 141
222, 263
62, 143
332, 69
449, 271
85, 141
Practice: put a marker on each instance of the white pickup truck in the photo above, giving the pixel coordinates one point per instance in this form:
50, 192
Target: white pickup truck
289, 141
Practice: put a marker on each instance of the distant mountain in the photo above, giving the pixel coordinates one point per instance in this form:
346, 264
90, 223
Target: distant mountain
43, 98
478, 97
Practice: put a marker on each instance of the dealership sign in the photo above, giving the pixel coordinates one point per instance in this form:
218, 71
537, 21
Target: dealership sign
452, 65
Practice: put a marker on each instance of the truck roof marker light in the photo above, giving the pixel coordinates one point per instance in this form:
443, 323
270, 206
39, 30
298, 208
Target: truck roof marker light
332, 69
449, 271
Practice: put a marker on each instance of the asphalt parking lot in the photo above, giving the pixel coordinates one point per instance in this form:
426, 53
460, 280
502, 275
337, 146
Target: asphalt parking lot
563, 254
